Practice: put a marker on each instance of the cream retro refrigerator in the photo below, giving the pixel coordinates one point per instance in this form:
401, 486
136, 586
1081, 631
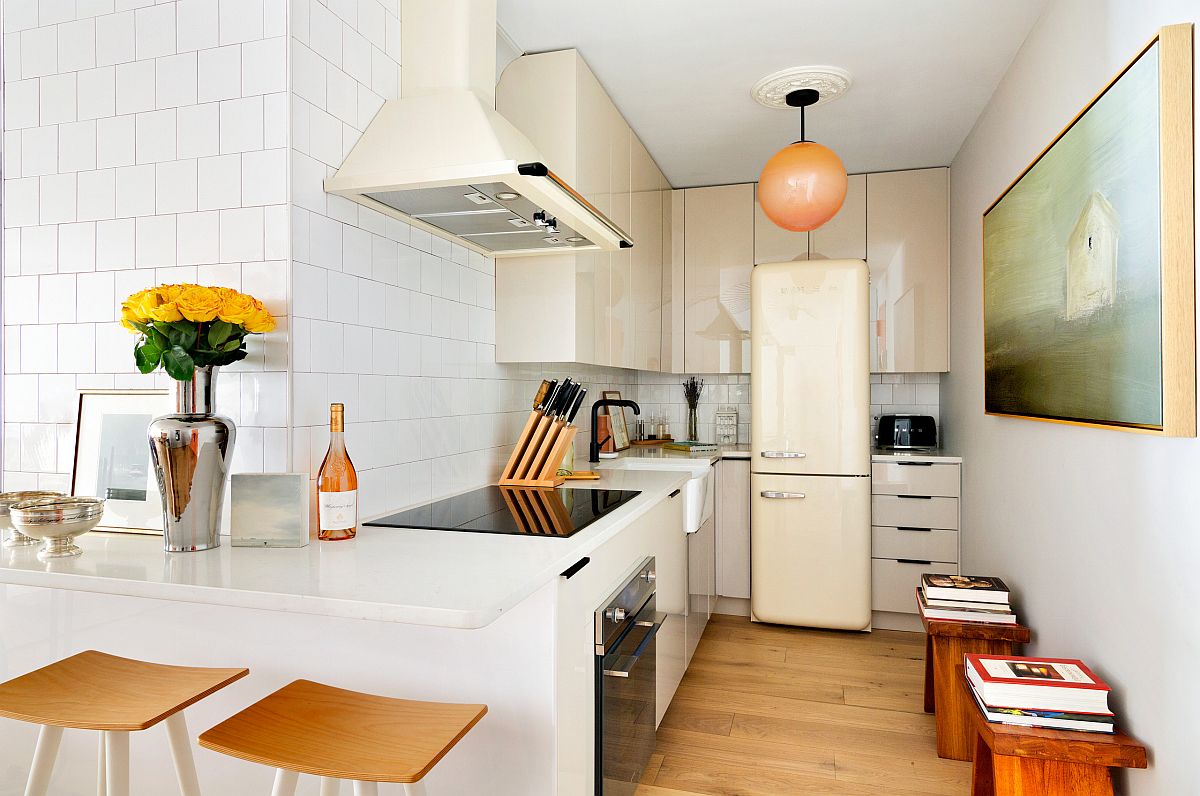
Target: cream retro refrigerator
810, 516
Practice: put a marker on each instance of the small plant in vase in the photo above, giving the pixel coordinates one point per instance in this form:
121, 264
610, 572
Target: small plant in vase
693, 388
189, 331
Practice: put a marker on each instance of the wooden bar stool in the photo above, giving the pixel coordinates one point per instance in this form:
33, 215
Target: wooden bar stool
310, 728
945, 645
114, 696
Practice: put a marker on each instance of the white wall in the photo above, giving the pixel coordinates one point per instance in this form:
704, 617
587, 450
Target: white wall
141, 145
1096, 531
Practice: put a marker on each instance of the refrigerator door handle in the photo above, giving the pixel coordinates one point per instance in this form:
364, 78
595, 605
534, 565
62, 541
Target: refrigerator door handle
771, 494
782, 455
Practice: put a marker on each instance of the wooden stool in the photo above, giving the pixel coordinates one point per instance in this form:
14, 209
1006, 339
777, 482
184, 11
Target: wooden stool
945, 645
309, 728
114, 696
1033, 761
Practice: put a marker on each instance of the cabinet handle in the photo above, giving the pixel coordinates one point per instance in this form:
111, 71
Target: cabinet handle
907, 528
773, 495
673, 494
570, 571
782, 455
916, 497
920, 561
915, 464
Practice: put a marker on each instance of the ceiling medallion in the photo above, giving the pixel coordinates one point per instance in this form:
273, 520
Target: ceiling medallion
773, 89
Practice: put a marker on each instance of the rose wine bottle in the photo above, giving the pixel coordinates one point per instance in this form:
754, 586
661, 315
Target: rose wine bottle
337, 484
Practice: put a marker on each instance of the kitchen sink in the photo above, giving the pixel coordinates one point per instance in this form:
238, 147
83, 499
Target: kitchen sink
697, 492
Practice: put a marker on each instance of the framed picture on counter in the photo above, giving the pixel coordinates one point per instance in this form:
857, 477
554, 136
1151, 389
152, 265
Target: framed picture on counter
620, 431
112, 457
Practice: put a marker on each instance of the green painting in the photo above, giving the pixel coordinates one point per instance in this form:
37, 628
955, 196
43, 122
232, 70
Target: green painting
1072, 277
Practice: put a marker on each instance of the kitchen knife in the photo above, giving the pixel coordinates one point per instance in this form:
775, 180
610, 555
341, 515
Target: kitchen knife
564, 405
555, 389
560, 400
543, 392
575, 404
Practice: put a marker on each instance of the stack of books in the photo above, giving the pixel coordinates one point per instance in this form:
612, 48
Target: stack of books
1057, 693
965, 598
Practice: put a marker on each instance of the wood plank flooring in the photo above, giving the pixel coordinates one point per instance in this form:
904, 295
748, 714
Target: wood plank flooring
766, 710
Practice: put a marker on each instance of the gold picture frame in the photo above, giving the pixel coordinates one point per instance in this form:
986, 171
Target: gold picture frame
1123, 319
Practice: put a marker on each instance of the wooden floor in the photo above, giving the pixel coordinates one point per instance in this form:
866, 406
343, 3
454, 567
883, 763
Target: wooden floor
773, 710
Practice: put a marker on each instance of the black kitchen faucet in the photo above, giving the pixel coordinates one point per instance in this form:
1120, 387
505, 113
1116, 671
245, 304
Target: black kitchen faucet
594, 447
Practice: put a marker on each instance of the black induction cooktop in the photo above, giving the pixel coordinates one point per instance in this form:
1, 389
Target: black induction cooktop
549, 513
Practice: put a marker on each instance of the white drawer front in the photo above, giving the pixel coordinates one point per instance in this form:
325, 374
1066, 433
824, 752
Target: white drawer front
915, 512
934, 545
894, 583
915, 478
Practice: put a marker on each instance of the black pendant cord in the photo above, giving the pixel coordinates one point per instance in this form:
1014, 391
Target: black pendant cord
802, 138
802, 98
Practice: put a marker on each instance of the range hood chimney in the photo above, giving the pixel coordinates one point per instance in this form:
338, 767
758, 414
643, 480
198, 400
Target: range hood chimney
442, 158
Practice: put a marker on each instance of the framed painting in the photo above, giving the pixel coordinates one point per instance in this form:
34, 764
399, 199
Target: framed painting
112, 456
620, 430
1089, 261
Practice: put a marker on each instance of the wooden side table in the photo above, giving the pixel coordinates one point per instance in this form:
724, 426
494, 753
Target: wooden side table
945, 645
1033, 761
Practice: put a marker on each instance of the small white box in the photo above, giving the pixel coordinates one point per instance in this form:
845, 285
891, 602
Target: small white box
269, 510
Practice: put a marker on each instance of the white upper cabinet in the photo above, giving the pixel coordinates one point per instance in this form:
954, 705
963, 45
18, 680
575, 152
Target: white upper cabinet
718, 258
774, 244
908, 251
642, 348
844, 237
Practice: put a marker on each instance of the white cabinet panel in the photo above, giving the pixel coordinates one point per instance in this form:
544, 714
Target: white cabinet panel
915, 478
774, 244
701, 582
915, 543
844, 237
894, 583
915, 512
718, 259
644, 350
733, 528
908, 251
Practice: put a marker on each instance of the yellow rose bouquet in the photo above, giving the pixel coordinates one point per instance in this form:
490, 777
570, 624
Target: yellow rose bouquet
183, 327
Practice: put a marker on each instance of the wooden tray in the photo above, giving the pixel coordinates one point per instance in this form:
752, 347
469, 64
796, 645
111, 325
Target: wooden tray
651, 441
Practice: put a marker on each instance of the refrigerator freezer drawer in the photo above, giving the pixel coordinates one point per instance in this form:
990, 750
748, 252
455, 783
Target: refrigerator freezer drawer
894, 583
915, 512
810, 551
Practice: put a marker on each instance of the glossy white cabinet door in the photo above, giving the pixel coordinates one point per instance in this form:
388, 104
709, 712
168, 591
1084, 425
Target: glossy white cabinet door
774, 244
843, 237
673, 334
908, 251
644, 350
733, 528
810, 556
702, 582
718, 259
811, 397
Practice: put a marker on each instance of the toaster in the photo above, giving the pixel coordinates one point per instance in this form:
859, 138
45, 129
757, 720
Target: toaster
906, 432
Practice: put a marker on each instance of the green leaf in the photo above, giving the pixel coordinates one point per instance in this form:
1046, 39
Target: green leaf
178, 363
182, 334
231, 345
147, 357
219, 332
144, 328
157, 339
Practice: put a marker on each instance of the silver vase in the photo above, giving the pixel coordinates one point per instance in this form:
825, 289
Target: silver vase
191, 450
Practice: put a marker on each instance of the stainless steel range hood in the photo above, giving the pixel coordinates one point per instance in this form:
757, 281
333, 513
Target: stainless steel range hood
442, 158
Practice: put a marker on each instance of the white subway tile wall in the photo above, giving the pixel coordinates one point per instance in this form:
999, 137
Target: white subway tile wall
137, 150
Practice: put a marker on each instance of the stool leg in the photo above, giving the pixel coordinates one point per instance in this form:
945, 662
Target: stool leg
181, 752
116, 761
414, 789
101, 776
44, 755
330, 786
366, 789
285, 782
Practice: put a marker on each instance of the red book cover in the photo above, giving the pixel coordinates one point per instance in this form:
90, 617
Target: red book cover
1051, 672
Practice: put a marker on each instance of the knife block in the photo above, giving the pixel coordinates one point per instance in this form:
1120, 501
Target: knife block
539, 453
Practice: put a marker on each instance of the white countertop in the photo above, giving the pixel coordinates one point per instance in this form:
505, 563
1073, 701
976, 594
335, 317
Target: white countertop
935, 456
659, 452
446, 579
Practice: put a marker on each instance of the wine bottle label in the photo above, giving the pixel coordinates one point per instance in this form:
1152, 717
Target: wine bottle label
338, 511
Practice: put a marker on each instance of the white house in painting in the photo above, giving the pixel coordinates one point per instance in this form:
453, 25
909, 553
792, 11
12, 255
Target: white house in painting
1092, 258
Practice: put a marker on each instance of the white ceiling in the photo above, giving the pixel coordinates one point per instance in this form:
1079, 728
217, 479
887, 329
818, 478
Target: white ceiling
681, 73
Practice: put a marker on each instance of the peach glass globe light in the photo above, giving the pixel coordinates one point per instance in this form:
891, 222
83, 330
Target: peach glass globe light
802, 186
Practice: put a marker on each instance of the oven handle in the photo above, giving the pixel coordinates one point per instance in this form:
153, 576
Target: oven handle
624, 664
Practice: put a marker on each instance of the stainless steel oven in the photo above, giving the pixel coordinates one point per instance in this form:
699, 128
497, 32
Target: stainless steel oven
626, 626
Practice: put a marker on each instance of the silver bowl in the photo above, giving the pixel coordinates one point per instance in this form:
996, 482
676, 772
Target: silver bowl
13, 537
56, 521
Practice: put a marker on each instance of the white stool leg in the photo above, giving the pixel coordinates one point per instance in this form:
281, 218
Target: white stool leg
101, 776
44, 755
181, 752
414, 789
330, 786
366, 788
116, 761
285, 782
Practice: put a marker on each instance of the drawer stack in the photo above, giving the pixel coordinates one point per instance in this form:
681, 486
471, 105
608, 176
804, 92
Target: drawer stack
914, 519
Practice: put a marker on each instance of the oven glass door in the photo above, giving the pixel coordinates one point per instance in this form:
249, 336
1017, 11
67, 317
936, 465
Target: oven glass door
625, 707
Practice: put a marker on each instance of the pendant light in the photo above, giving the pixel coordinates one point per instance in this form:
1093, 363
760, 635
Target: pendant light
803, 185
